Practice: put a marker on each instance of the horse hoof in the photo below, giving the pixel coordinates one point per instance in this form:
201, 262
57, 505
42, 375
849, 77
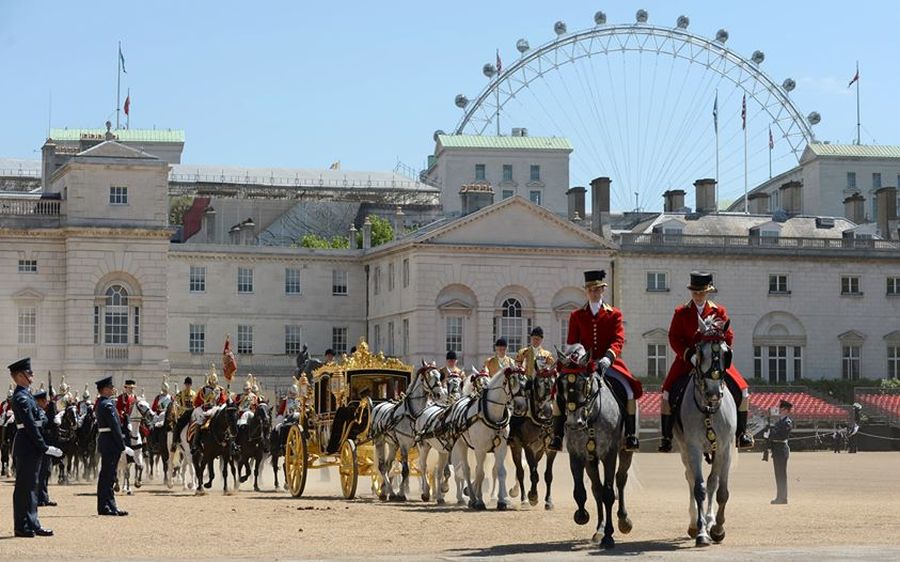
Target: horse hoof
692, 532
703, 540
548, 505
445, 487
138, 485
441, 501
625, 525
717, 533
582, 517
116, 488
532, 498
514, 492
608, 542
382, 497
129, 493
426, 497
502, 506
256, 488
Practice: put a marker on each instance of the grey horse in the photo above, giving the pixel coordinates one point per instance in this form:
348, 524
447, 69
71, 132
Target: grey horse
594, 433
706, 425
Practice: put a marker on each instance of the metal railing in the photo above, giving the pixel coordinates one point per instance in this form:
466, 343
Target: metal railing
661, 240
19, 173
30, 207
297, 181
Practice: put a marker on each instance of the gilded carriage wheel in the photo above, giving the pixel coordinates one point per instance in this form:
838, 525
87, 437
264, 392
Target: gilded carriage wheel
349, 469
295, 461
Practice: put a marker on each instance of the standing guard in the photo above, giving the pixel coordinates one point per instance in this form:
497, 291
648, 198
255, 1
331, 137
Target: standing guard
529, 357
781, 451
46, 419
111, 444
28, 452
500, 360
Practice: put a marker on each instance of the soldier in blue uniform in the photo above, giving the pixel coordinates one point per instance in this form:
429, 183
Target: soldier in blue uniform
111, 444
45, 409
28, 451
778, 442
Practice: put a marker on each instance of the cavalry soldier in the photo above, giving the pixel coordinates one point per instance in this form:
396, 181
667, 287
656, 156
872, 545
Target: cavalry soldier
205, 403
598, 327
778, 442
529, 356
683, 336
111, 444
163, 399
45, 417
289, 408
84, 407
184, 400
500, 360
125, 402
28, 452
247, 403
63, 399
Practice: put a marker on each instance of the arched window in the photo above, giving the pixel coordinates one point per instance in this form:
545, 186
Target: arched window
512, 324
116, 316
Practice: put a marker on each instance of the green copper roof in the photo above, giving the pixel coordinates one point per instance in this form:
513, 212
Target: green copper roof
855, 150
126, 135
504, 143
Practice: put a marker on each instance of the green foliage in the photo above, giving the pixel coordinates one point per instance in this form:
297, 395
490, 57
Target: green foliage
315, 241
178, 206
382, 231
890, 384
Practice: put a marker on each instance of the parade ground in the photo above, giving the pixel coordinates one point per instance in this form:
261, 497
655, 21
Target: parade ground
841, 507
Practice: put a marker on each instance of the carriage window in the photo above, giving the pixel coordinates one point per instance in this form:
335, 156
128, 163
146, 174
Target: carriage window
656, 360
511, 325
850, 362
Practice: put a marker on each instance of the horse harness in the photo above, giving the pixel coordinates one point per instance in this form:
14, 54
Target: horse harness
708, 410
393, 419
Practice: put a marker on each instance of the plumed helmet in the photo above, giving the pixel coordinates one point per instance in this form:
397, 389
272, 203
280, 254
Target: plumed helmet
212, 378
165, 384
86, 395
248, 385
63, 387
292, 390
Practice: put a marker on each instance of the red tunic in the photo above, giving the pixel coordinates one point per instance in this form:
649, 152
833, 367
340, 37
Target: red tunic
602, 333
124, 403
683, 334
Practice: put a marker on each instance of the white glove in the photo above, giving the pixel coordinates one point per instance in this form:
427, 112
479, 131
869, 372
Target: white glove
54, 452
604, 364
129, 452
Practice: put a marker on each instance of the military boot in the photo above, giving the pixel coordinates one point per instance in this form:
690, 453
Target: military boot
744, 439
559, 430
665, 428
631, 441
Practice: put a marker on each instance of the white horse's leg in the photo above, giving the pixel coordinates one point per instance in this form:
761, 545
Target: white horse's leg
383, 464
460, 456
698, 485
500, 470
424, 449
439, 469
717, 531
476, 490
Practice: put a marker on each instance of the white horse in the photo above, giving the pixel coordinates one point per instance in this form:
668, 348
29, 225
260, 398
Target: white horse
708, 417
482, 423
432, 432
132, 435
393, 427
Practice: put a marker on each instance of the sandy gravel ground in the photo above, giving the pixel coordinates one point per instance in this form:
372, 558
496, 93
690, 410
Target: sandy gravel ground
841, 507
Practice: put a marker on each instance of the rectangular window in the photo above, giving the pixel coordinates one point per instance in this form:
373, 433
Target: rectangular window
851, 180
339, 340
137, 325
454, 337
27, 266
376, 280
757, 362
390, 338
506, 193
406, 273
778, 284
391, 276
198, 279
656, 281
535, 197
96, 325
479, 172
777, 363
893, 285
534, 173
876, 180
338, 282
657, 363
292, 340
377, 338
245, 280
768, 237
798, 363
405, 336
507, 172
564, 329
245, 339
672, 235
893, 362
116, 323
27, 326
850, 285
291, 281
197, 339
118, 195
850, 362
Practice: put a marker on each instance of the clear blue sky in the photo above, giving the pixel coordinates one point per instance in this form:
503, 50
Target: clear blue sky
301, 84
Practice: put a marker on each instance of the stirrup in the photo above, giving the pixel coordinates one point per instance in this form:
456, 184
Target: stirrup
745, 441
631, 443
665, 445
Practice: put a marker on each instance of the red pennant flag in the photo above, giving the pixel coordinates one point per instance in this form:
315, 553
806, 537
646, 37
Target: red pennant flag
127, 104
855, 78
229, 363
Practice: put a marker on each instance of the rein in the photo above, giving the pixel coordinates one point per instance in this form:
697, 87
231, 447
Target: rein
715, 373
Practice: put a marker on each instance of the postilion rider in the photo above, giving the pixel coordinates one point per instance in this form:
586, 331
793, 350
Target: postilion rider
683, 337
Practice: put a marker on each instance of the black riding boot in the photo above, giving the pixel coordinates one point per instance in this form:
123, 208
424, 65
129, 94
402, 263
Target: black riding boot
631, 441
665, 428
744, 439
559, 430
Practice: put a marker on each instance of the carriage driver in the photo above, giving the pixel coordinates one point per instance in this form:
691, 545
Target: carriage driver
163, 399
500, 360
683, 336
598, 327
247, 402
528, 357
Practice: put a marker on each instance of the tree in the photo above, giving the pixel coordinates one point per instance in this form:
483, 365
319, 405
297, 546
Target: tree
315, 241
178, 206
382, 231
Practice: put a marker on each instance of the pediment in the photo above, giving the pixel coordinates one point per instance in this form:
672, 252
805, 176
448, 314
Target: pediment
28, 295
893, 337
655, 334
113, 149
852, 336
516, 222
455, 304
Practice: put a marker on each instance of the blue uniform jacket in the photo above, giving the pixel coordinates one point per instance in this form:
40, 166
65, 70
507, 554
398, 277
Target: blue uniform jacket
112, 441
29, 441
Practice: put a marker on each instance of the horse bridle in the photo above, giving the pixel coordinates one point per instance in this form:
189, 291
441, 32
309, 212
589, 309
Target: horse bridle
534, 401
508, 373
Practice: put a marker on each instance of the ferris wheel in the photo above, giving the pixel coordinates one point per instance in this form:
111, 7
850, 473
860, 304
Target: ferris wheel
637, 102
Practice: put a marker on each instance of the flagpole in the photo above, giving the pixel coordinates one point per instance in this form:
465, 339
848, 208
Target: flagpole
128, 115
118, 82
716, 127
746, 204
857, 105
770, 152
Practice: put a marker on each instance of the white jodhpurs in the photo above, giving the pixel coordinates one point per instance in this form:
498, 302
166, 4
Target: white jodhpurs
614, 374
245, 418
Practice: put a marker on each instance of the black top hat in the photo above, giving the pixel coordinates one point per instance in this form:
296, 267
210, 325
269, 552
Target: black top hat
537, 331
501, 342
785, 404
40, 394
20, 366
594, 278
451, 355
129, 382
701, 281
104, 383
329, 351
188, 380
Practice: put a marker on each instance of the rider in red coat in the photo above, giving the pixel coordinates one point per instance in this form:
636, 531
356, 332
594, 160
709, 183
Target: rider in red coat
125, 402
683, 336
598, 327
